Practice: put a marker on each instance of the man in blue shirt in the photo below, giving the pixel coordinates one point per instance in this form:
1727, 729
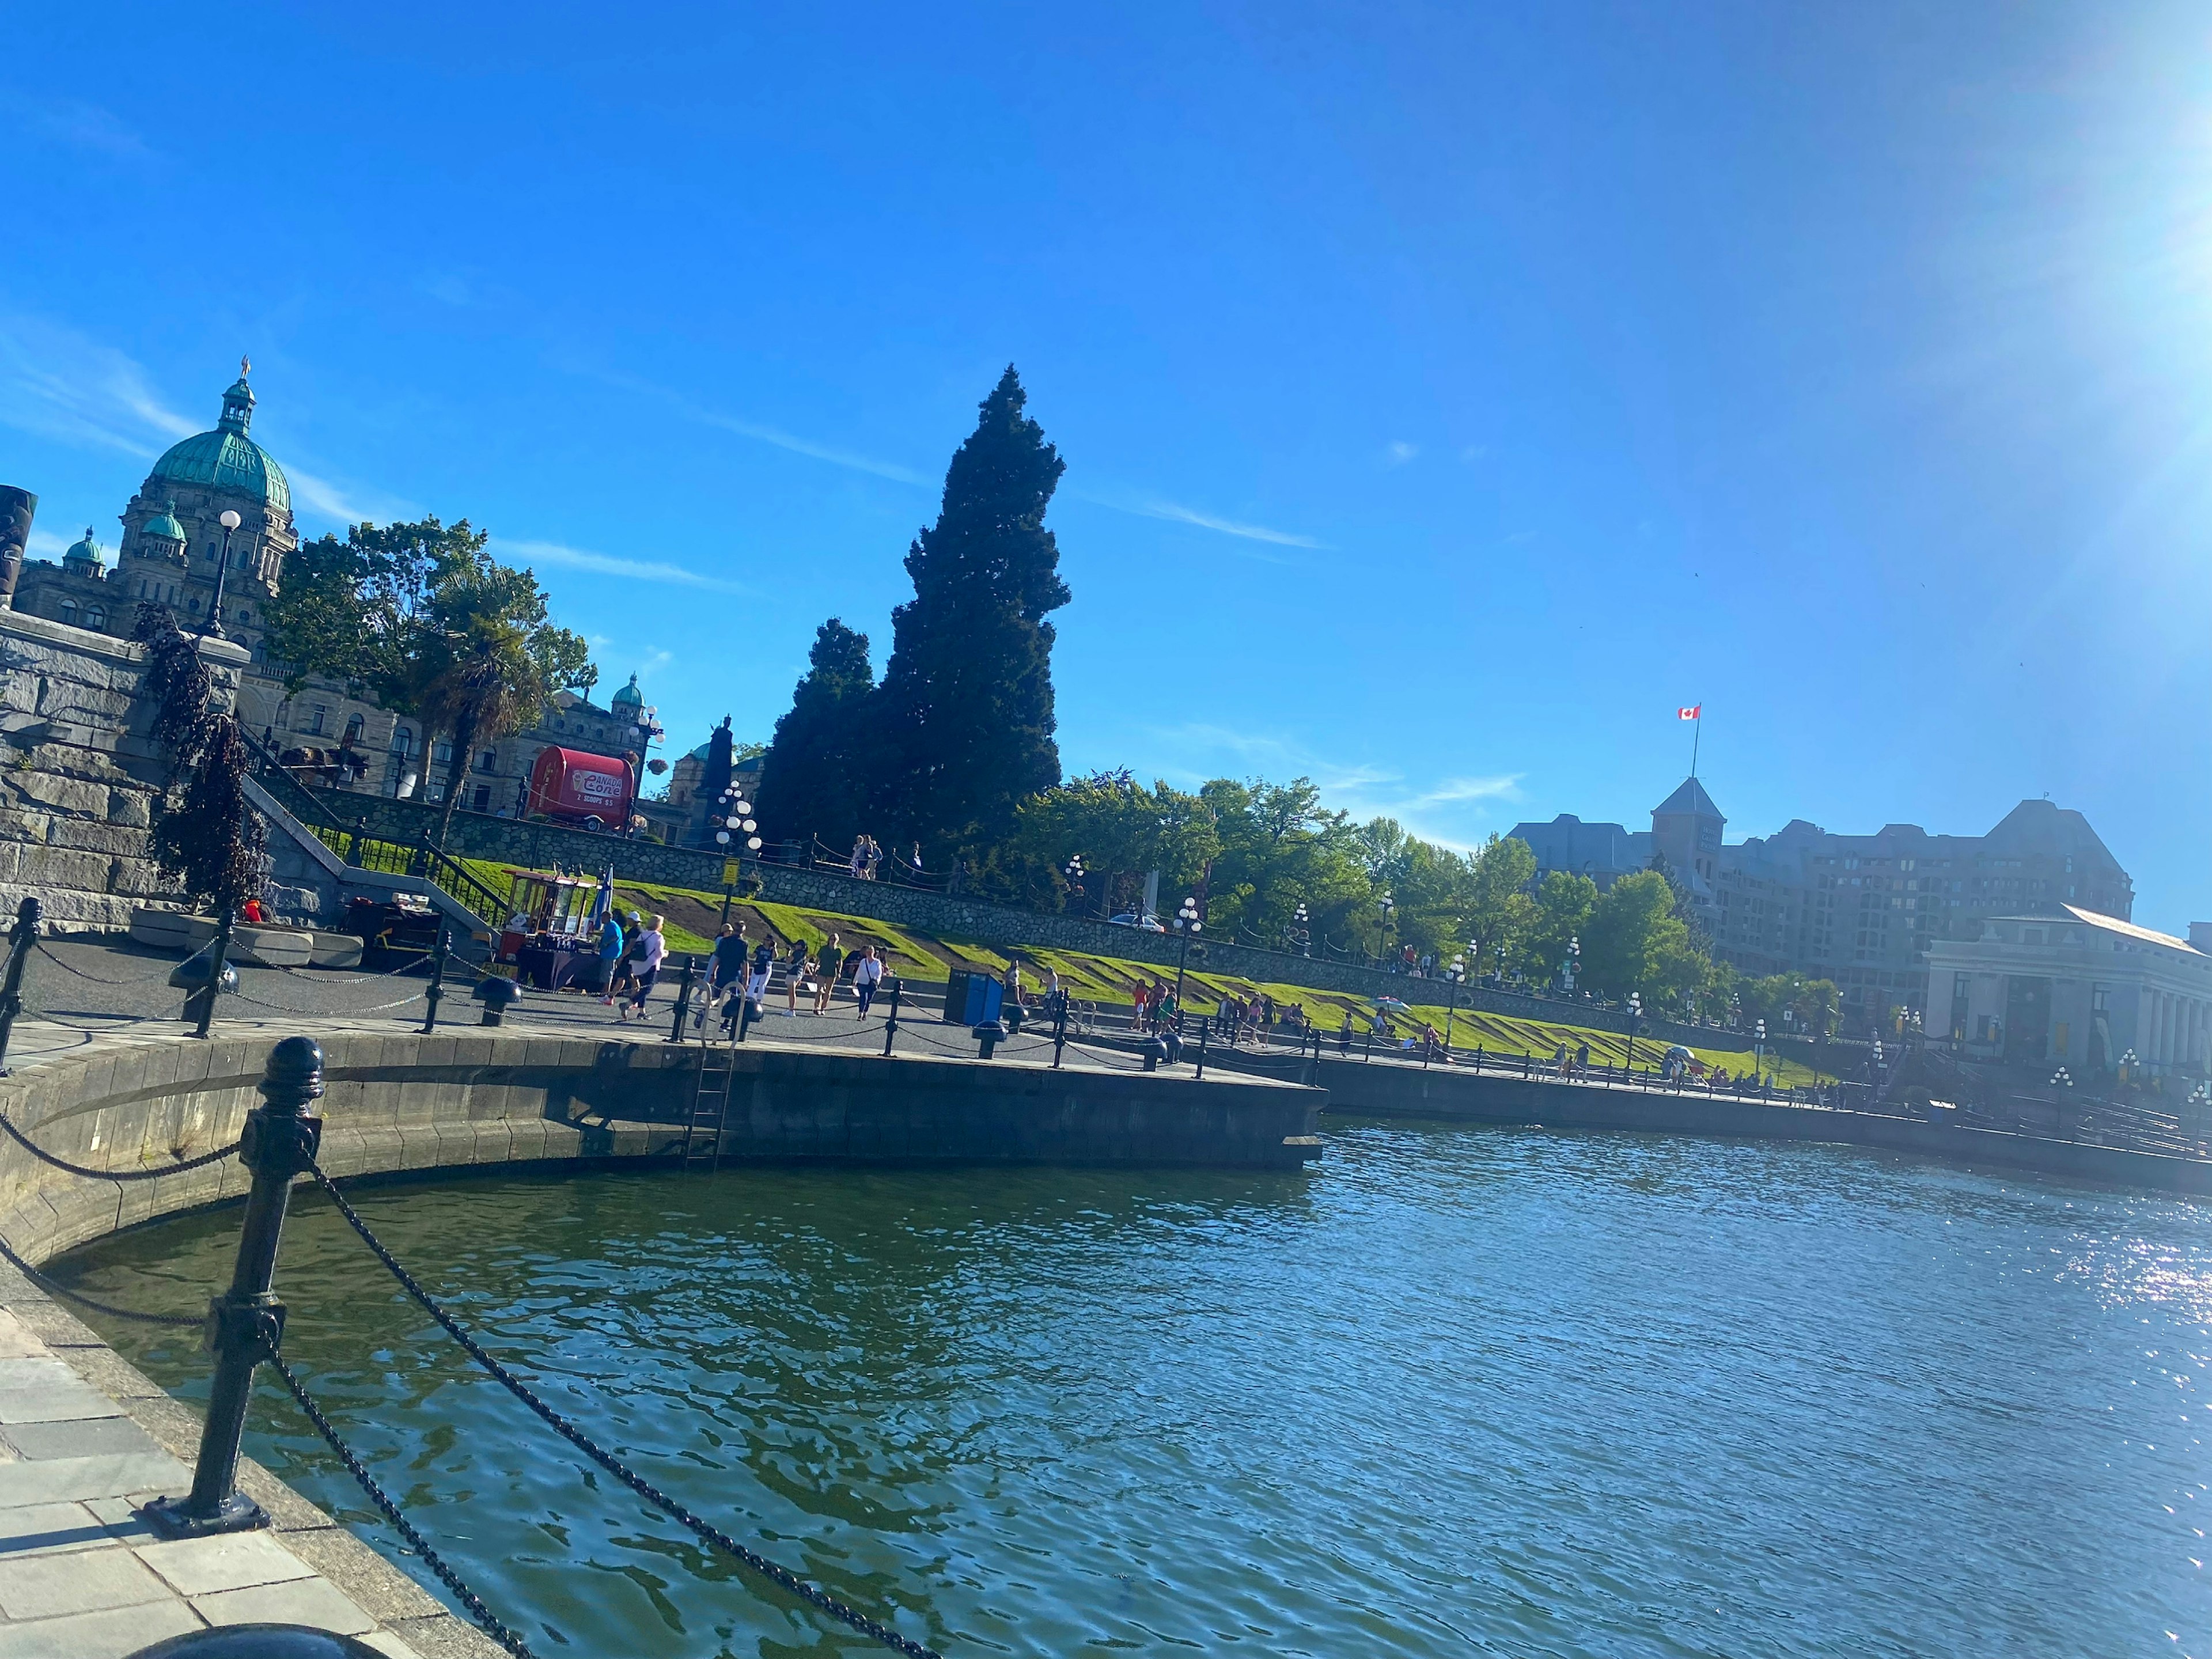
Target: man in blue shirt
611, 953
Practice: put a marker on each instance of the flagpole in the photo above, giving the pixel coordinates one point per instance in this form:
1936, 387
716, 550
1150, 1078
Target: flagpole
1697, 735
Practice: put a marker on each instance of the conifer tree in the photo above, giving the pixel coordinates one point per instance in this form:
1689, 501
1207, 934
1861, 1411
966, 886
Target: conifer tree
815, 773
964, 715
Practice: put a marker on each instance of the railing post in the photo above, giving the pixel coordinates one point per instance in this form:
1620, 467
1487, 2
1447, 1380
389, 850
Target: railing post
21, 938
246, 1323
1204, 1026
891, 1020
359, 834
437, 980
220, 948
683, 999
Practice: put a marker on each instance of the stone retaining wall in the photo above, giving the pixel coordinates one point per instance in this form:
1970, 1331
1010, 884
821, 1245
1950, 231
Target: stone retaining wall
395, 1103
1392, 1089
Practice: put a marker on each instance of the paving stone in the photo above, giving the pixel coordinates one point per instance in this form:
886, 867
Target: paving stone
387, 1596
229, 1561
90, 1437
85, 1478
66, 1402
114, 1634
385, 1642
83, 1581
34, 1372
307, 1601
16, 1342
49, 1528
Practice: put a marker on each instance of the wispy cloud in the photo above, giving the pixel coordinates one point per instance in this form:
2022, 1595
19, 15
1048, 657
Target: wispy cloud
610, 564
343, 504
1401, 452
56, 384
46, 544
83, 125
759, 432
1152, 507
1440, 811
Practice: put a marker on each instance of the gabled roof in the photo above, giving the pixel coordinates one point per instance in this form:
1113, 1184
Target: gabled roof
2128, 929
1690, 800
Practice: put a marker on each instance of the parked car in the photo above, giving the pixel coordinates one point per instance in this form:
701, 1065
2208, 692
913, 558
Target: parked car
1149, 924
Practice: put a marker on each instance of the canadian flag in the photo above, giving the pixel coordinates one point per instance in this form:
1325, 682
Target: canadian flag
1689, 713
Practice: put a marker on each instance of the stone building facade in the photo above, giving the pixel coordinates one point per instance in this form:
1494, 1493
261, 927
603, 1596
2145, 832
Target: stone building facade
1862, 910
172, 551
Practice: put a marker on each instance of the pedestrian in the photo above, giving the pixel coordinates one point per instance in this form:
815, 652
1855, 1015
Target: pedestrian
1013, 983
1137, 1005
1582, 1059
726, 968
756, 980
648, 948
611, 955
794, 970
827, 961
914, 860
859, 865
867, 973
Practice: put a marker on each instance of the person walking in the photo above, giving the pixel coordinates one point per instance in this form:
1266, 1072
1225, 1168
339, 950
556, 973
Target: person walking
756, 979
867, 973
914, 863
859, 865
1137, 1005
647, 949
611, 955
827, 962
794, 970
726, 971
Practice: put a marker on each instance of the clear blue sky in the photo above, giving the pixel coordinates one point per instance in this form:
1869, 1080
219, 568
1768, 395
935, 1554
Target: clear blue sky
1447, 392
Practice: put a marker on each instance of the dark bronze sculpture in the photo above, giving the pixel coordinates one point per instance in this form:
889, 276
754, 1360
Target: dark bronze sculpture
17, 509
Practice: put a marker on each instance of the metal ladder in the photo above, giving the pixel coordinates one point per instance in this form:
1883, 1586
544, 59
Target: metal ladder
710, 1104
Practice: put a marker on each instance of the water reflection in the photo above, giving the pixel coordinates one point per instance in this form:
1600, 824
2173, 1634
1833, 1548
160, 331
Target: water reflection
1525, 1392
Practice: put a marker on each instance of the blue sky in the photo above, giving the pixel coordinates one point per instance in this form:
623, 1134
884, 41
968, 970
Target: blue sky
1448, 392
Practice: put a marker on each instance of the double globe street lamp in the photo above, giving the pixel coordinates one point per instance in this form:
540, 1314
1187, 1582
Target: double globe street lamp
1189, 925
734, 810
1301, 935
1635, 1015
1456, 973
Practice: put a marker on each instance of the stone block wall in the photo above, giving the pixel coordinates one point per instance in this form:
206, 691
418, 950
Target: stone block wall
78, 772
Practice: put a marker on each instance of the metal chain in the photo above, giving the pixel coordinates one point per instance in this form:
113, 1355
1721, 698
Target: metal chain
98, 979
452, 1580
46, 1156
780, 1576
53, 1288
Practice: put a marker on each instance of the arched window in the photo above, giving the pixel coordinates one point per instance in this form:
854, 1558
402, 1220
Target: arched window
354, 724
402, 742
68, 610
94, 617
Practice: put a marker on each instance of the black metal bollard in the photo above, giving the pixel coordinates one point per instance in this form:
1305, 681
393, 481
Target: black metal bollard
437, 981
1152, 1049
216, 952
890, 1021
1059, 1028
21, 938
683, 999
990, 1034
1205, 1025
497, 995
246, 1323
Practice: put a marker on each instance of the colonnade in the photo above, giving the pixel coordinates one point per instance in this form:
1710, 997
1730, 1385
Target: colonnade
2172, 1030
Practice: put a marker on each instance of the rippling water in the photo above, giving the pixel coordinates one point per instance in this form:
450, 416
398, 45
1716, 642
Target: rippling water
1479, 1390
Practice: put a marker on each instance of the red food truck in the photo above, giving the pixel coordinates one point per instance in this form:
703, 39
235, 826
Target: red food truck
590, 791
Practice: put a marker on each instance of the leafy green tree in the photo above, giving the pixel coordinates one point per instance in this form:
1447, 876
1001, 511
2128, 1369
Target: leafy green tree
1564, 901
813, 780
1120, 828
1500, 911
965, 709
358, 611
1281, 848
1634, 942
492, 660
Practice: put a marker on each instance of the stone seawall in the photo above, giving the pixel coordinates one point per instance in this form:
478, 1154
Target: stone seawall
477, 835
396, 1103
1394, 1089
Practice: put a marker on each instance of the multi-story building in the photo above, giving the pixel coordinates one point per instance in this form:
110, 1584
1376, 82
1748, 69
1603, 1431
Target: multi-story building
172, 554
1862, 910
2074, 989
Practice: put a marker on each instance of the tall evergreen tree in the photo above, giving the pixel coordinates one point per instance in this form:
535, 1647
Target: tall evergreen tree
964, 715
814, 777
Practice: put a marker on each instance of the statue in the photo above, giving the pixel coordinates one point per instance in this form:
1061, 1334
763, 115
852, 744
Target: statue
17, 509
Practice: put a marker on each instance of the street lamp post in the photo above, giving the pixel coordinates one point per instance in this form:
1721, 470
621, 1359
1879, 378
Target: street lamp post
1074, 873
1635, 1014
1568, 969
1759, 1048
1388, 906
214, 630
1301, 935
1189, 925
1455, 973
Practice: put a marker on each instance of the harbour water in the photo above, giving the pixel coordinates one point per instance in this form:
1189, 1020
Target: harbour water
1453, 1391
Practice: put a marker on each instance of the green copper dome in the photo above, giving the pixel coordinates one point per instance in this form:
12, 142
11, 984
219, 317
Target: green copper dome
84, 552
226, 459
164, 524
629, 694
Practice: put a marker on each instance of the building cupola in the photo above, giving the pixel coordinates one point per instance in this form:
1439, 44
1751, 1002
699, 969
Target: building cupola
238, 402
84, 558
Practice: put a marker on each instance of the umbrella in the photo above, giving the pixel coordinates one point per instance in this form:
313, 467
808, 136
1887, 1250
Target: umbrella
603, 906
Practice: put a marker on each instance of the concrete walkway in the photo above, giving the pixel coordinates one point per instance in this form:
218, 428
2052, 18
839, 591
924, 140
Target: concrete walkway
85, 1439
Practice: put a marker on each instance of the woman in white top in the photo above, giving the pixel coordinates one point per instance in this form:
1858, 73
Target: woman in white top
650, 948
